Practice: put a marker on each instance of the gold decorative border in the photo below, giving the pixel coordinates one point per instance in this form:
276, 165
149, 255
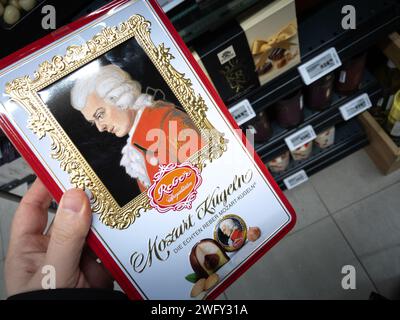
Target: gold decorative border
24, 91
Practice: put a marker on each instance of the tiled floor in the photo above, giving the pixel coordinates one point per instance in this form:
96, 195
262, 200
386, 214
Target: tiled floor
348, 214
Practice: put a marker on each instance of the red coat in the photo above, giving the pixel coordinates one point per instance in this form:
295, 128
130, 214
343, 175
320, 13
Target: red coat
237, 239
236, 234
159, 148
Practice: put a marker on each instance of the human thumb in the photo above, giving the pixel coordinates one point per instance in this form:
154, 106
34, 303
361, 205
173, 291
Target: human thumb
70, 228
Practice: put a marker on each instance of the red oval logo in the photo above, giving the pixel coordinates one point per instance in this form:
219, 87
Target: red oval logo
174, 187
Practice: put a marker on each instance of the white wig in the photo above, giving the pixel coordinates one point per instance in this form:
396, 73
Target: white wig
228, 223
110, 83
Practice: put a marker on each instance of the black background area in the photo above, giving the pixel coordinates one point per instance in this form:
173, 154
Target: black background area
102, 150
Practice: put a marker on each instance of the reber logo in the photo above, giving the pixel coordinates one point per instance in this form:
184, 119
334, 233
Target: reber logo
174, 187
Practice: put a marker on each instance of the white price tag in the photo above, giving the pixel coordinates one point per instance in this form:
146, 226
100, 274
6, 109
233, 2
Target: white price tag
300, 138
355, 106
242, 112
319, 66
295, 179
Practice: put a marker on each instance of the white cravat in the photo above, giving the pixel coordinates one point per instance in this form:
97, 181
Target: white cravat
132, 159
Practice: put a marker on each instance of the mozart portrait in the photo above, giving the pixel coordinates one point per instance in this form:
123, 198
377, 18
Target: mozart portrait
124, 119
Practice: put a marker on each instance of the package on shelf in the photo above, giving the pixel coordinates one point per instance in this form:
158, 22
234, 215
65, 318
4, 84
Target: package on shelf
273, 38
318, 95
326, 138
259, 128
350, 75
289, 110
303, 152
280, 163
225, 57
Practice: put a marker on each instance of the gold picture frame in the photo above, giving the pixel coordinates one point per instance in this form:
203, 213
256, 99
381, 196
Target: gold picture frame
24, 91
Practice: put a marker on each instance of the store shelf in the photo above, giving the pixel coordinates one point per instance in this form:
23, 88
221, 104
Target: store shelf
192, 20
320, 120
321, 31
349, 137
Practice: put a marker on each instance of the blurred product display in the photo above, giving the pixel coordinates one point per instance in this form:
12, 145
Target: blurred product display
326, 138
279, 164
349, 77
11, 11
289, 111
259, 127
22, 22
317, 96
303, 152
193, 18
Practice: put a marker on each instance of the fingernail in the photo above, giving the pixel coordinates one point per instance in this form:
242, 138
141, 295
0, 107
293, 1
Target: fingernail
72, 201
